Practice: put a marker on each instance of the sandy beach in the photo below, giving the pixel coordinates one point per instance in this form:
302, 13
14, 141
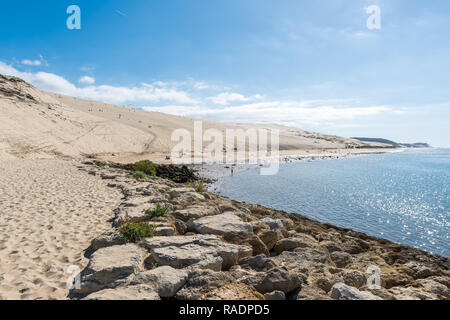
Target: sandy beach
50, 211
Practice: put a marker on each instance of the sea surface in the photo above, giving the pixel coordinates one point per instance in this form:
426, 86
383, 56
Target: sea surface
403, 197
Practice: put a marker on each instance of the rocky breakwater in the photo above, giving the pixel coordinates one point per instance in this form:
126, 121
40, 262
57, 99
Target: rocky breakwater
173, 240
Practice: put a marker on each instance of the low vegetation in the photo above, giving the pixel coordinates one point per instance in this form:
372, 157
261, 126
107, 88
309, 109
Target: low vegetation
159, 211
139, 175
136, 232
146, 167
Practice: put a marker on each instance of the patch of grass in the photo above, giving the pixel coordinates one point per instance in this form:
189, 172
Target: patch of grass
159, 211
198, 186
139, 175
89, 163
146, 167
136, 232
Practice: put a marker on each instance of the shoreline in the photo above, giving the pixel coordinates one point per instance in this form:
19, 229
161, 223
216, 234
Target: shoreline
216, 173
318, 260
213, 173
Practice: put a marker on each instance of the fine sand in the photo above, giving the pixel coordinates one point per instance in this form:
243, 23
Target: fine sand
49, 213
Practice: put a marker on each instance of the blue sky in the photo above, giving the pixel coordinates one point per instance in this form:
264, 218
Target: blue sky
310, 64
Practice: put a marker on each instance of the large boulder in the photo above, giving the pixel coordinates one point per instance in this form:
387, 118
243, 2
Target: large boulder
201, 281
420, 271
109, 267
201, 251
276, 279
195, 212
299, 241
341, 291
137, 292
354, 278
435, 287
220, 224
341, 259
279, 279
270, 237
247, 239
258, 263
301, 260
274, 224
165, 280
107, 239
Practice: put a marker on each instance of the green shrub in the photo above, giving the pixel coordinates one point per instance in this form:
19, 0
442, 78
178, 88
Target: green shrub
146, 166
139, 175
159, 211
135, 232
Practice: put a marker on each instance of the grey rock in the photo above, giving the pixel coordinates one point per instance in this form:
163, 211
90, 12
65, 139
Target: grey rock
341, 291
203, 251
109, 267
220, 224
274, 224
165, 280
270, 238
354, 278
276, 279
177, 192
420, 271
275, 295
300, 241
202, 281
331, 246
340, 258
107, 239
165, 231
435, 287
258, 263
195, 212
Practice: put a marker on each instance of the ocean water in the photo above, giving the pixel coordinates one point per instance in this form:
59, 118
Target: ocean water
403, 197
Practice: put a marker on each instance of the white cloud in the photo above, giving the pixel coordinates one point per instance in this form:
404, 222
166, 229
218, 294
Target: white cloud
226, 98
31, 62
145, 93
167, 97
201, 86
296, 113
87, 80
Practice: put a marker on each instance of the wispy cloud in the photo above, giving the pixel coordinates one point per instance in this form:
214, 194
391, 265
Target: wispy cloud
87, 80
226, 98
28, 62
293, 113
121, 13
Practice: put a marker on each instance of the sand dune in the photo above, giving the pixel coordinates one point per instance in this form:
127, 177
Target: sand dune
38, 124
